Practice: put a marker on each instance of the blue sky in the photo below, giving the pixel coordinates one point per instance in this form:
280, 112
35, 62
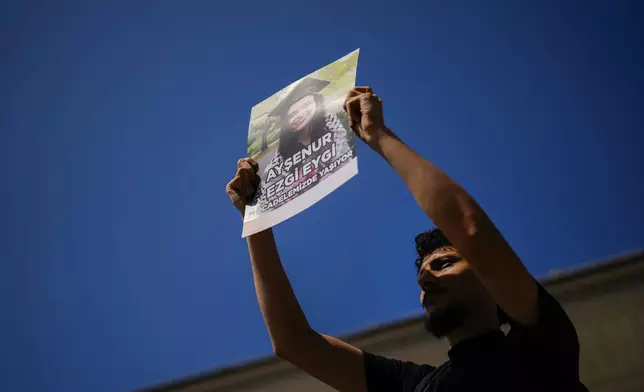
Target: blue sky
121, 122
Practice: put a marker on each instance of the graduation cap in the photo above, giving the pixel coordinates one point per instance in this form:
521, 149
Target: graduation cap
306, 87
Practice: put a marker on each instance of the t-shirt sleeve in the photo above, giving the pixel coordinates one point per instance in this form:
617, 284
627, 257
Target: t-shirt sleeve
553, 337
392, 375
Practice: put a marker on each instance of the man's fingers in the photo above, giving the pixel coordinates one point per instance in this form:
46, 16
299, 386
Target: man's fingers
350, 102
359, 90
244, 184
366, 101
249, 164
353, 104
353, 109
239, 189
248, 180
234, 192
356, 91
244, 163
238, 183
363, 89
352, 94
247, 169
253, 164
241, 182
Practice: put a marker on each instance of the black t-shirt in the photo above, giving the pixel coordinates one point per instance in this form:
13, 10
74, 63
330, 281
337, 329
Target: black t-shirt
543, 357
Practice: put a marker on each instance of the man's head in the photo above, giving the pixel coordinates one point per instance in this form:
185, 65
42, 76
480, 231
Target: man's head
451, 294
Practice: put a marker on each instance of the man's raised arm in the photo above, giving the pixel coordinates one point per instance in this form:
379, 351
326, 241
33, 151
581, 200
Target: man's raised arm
451, 208
328, 359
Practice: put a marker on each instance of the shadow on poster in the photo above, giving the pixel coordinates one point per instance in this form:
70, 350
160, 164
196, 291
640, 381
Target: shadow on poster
301, 139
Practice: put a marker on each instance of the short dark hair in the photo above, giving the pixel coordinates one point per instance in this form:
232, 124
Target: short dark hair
432, 240
429, 242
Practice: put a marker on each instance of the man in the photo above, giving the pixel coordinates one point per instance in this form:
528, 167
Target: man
470, 279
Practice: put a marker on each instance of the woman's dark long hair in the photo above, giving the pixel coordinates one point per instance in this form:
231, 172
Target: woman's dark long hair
289, 144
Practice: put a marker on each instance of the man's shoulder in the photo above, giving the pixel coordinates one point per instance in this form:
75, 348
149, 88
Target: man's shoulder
549, 349
385, 374
552, 324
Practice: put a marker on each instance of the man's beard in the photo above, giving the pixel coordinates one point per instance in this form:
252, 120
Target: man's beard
441, 322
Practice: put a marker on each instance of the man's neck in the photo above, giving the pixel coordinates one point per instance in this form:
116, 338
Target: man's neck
470, 330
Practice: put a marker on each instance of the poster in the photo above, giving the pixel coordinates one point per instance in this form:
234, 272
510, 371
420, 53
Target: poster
301, 139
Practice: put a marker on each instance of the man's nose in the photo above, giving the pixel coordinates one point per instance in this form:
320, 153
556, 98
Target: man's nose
426, 278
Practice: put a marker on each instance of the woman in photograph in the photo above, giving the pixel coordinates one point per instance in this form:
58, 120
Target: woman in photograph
303, 120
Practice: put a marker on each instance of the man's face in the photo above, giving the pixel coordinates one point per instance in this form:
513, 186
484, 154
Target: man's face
448, 290
301, 113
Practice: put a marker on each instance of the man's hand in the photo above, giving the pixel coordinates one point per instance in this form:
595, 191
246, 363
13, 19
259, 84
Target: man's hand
365, 114
244, 184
